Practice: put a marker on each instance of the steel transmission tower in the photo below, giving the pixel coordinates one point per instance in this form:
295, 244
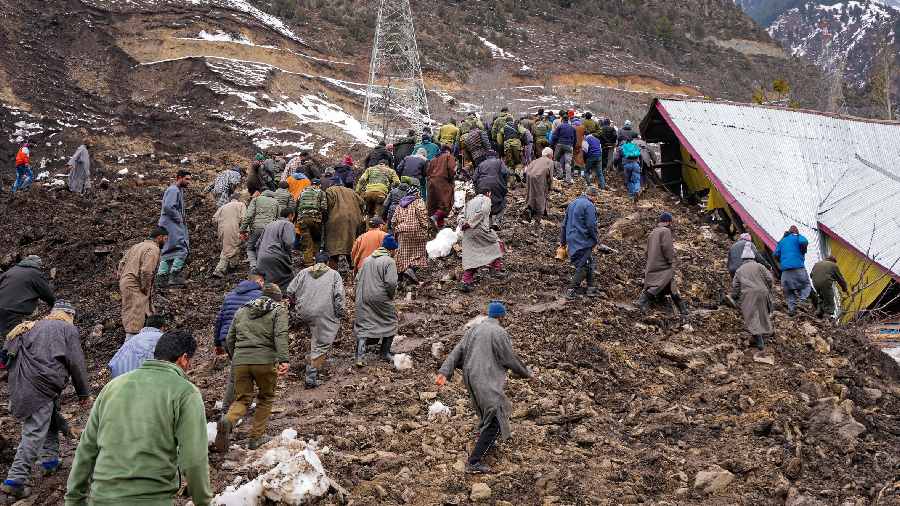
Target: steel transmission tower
395, 96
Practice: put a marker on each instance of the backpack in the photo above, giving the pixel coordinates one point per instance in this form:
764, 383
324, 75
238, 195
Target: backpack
541, 128
630, 150
309, 201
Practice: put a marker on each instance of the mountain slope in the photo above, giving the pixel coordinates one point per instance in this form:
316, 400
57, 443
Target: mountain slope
147, 76
852, 40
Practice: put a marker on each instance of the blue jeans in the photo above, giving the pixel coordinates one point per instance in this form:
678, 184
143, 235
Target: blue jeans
595, 166
24, 177
633, 178
796, 285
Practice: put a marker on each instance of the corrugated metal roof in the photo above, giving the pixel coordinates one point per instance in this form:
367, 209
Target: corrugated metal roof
780, 167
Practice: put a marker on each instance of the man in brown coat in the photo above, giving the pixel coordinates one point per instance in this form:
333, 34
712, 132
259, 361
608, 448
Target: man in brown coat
441, 174
344, 219
538, 178
659, 276
136, 272
228, 225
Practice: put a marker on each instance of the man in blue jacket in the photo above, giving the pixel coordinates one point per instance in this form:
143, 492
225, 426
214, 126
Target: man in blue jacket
593, 160
246, 291
579, 235
563, 141
791, 254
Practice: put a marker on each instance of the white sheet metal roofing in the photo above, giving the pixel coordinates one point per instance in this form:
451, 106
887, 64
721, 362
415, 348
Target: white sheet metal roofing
780, 167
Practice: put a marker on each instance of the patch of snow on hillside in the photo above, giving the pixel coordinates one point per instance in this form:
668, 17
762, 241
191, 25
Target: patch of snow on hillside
312, 109
497, 51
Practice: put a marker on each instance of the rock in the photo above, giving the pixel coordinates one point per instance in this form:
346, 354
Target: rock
97, 331
437, 350
809, 329
413, 410
682, 492
427, 396
817, 343
872, 393
480, 492
795, 498
764, 359
831, 415
713, 480
794, 468
459, 466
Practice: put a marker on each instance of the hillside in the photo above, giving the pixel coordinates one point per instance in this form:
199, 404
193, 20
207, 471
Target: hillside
625, 409
177, 76
854, 42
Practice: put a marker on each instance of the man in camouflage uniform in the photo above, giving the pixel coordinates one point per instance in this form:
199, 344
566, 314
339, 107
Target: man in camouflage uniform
311, 207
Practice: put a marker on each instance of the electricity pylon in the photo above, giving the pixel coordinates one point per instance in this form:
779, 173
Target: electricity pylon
395, 96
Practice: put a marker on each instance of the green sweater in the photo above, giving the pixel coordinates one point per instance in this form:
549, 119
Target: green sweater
143, 428
259, 334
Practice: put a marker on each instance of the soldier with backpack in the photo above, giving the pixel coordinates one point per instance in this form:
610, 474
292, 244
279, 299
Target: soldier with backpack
541, 130
310, 213
512, 144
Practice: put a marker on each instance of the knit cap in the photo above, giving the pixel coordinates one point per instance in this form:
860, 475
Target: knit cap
389, 243
496, 309
665, 217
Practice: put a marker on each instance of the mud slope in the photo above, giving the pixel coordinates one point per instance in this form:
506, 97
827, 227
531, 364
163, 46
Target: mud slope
624, 409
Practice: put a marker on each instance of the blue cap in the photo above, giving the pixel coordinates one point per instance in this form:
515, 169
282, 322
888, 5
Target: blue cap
389, 242
496, 309
665, 217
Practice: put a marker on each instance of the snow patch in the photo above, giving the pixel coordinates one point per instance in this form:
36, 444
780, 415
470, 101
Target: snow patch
290, 473
497, 52
438, 410
402, 362
442, 245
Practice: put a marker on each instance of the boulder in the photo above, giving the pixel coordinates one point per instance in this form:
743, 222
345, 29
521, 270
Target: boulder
480, 492
832, 415
713, 480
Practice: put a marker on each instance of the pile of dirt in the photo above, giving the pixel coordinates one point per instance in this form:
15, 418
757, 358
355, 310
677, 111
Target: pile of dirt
623, 409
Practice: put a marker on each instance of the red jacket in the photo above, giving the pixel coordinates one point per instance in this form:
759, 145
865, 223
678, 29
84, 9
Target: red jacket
22, 157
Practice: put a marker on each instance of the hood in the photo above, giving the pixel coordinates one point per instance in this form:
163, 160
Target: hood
343, 168
317, 270
246, 286
260, 307
268, 193
298, 176
380, 252
31, 261
407, 200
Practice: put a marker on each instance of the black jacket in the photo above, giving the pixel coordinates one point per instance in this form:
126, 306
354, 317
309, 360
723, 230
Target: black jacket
379, 155
412, 166
404, 147
21, 287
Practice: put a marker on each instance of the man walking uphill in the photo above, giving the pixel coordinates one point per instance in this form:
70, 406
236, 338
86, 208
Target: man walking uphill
21, 286
258, 344
791, 253
318, 295
228, 227
579, 235
275, 246
42, 357
244, 292
146, 431
172, 218
373, 186
80, 169
659, 275
262, 210
136, 270
824, 275
484, 354
376, 314
751, 287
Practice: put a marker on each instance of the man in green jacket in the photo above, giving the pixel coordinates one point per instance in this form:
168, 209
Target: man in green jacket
147, 428
258, 345
824, 275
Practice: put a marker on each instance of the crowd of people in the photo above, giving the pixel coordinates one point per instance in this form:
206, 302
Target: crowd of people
302, 234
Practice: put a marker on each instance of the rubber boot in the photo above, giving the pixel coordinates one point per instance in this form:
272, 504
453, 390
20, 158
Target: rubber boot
312, 372
760, 342
680, 304
577, 279
162, 280
385, 352
176, 279
643, 302
411, 274
360, 351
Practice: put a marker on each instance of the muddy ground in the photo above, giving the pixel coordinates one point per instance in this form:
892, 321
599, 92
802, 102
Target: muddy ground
624, 408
